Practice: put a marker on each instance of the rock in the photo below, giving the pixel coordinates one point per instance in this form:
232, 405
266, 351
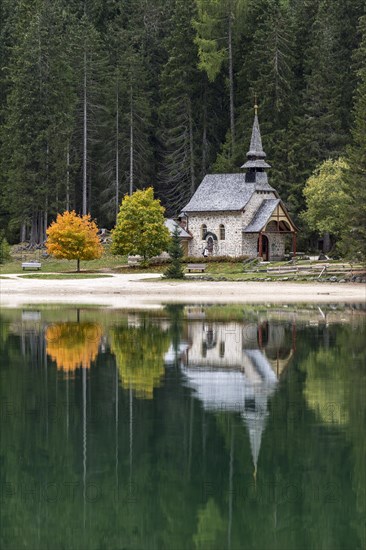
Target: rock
342, 281
333, 279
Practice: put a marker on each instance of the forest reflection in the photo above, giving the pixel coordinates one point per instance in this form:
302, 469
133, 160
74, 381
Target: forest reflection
160, 420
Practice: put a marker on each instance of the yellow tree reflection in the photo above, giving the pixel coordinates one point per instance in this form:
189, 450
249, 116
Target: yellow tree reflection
140, 355
73, 345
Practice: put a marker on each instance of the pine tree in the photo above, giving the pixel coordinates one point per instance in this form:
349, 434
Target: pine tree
354, 234
218, 25
178, 111
89, 64
126, 151
175, 268
316, 132
37, 117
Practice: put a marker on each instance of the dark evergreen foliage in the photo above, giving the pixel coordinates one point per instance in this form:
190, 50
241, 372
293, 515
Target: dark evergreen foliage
175, 269
100, 98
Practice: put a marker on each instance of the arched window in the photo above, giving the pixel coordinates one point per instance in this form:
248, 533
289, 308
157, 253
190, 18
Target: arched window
222, 232
203, 231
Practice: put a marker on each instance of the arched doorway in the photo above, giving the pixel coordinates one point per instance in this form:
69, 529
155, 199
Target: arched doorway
210, 244
263, 249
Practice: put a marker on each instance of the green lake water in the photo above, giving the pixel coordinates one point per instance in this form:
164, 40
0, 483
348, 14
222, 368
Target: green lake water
182, 428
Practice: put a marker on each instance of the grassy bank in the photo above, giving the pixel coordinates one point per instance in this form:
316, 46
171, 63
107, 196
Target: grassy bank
216, 269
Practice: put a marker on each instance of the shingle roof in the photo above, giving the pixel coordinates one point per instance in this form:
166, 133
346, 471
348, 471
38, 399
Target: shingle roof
172, 224
256, 164
262, 215
221, 192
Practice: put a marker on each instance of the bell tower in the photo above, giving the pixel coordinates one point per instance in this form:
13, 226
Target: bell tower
256, 166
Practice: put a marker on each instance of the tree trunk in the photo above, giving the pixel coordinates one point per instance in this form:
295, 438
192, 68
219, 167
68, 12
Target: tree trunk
78, 265
85, 138
326, 242
34, 229
23, 231
40, 227
231, 83
68, 177
131, 143
117, 153
204, 133
191, 146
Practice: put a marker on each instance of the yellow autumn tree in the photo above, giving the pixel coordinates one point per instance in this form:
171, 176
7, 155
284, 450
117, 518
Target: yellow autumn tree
73, 237
73, 345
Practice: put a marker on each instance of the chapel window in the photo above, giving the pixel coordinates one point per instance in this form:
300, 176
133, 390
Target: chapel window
222, 232
203, 231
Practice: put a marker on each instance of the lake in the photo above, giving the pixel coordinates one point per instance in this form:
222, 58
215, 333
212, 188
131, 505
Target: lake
183, 427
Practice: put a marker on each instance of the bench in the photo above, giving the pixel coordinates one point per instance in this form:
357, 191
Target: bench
134, 260
196, 267
31, 265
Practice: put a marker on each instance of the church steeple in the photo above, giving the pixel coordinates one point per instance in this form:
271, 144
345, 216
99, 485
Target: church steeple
255, 155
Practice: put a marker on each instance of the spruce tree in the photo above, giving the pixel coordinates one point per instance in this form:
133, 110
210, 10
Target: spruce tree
175, 268
354, 234
179, 111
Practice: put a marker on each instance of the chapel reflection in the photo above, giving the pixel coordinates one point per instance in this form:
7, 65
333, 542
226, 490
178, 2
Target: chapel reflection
236, 367
73, 345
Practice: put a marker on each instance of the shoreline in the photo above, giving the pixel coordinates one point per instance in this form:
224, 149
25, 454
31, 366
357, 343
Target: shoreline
135, 290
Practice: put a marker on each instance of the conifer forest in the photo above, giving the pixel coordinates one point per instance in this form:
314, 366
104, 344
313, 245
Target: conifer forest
99, 98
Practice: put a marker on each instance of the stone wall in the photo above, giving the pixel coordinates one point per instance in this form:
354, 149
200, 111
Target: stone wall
232, 221
250, 242
276, 243
236, 243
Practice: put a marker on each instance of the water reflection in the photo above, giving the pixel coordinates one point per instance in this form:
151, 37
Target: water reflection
139, 353
73, 345
236, 367
136, 430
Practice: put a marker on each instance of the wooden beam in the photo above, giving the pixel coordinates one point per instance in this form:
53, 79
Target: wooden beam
260, 253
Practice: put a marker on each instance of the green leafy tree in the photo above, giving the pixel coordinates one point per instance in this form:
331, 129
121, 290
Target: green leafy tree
140, 226
327, 199
175, 268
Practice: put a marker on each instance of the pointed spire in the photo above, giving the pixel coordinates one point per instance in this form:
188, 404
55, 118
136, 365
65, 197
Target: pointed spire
256, 148
256, 155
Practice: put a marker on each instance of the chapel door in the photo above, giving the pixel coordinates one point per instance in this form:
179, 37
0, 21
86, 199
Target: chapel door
210, 244
265, 247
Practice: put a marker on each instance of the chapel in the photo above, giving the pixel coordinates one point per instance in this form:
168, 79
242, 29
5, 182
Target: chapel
239, 214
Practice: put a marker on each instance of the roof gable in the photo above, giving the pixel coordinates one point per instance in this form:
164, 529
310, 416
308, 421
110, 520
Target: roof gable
264, 213
172, 224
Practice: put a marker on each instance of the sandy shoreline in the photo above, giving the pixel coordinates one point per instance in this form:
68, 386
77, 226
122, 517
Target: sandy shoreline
135, 290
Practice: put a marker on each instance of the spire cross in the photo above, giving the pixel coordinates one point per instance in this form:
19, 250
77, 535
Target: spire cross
255, 104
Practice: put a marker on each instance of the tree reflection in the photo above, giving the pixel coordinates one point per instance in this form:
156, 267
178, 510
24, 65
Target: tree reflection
140, 352
73, 345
